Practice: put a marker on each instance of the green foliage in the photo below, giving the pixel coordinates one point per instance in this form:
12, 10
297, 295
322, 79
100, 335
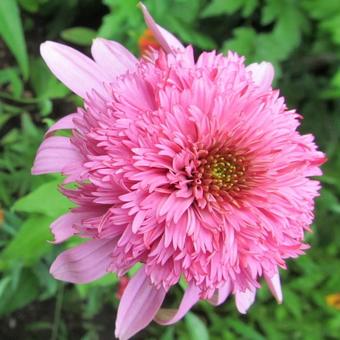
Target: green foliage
12, 33
19, 292
44, 84
123, 22
29, 243
302, 40
36, 202
79, 35
219, 7
196, 328
18, 147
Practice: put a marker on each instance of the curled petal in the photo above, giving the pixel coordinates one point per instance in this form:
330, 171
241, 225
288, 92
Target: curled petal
75, 70
112, 57
138, 305
64, 123
167, 316
54, 155
220, 295
63, 227
84, 263
274, 285
262, 74
244, 300
165, 38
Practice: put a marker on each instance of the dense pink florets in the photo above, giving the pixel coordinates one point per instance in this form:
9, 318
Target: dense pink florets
153, 170
192, 168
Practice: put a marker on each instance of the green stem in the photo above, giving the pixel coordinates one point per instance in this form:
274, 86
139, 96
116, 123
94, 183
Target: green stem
57, 312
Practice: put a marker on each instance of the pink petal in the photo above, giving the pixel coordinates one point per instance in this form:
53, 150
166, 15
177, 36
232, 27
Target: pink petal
64, 123
167, 40
54, 155
138, 221
84, 263
112, 57
220, 295
62, 228
262, 74
138, 305
167, 316
244, 300
75, 70
274, 285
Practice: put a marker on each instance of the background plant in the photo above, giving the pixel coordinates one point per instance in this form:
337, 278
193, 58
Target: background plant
302, 40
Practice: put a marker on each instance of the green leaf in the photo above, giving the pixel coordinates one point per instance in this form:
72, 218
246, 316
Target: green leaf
197, 329
46, 200
107, 280
124, 23
30, 5
218, 7
28, 127
12, 32
26, 292
292, 302
46, 107
10, 75
249, 7
30, 242
46, 281
45, 85
187, 34
271, 11
321, 9
332, 26
246, 331
168, 334
243, 42
288, 30
4, 283
79, 35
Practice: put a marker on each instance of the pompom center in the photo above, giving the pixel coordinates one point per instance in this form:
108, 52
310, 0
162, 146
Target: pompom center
220, 175
226, 170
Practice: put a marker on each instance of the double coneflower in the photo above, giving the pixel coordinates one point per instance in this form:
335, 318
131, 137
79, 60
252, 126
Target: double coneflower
193, 168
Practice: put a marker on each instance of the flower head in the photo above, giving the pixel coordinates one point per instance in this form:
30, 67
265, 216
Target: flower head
194, 168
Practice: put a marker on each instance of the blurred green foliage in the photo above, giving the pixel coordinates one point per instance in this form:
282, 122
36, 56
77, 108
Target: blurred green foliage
302, 40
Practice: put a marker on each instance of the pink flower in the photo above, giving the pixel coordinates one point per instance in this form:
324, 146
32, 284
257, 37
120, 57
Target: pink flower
193, 168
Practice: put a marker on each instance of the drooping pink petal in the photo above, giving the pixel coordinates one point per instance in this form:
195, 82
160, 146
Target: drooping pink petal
167, 40
112, 57
84, 263
274, 285
75, 70
64, 123
262, 74
167, 316
138, 305
244, 300
54, 154
220, 294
